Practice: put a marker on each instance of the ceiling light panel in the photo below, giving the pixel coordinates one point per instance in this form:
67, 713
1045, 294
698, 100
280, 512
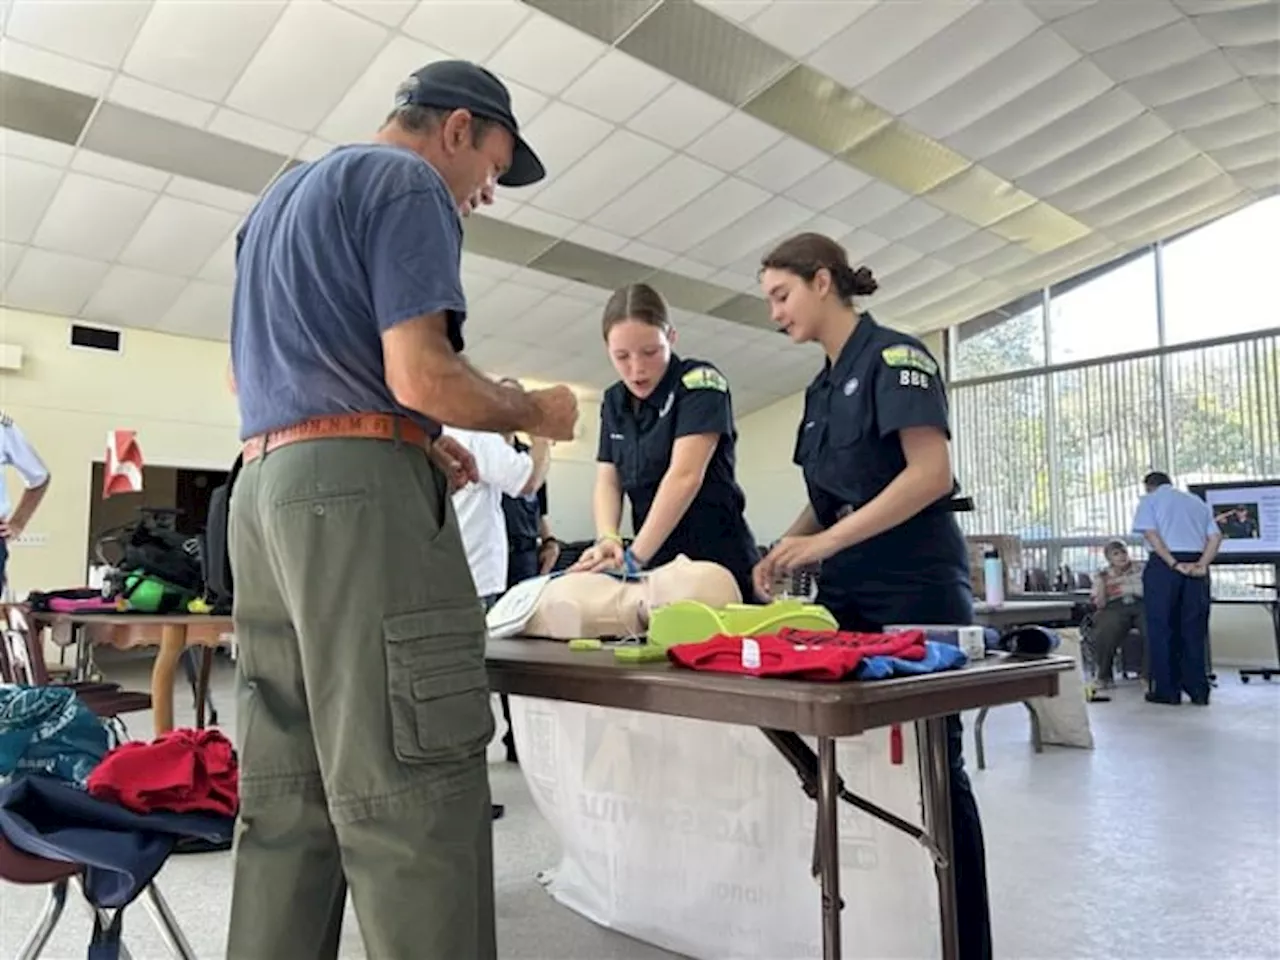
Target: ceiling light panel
606, 20
42, 110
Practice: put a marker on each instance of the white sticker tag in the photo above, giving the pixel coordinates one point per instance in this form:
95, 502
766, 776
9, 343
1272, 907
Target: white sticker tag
750, 654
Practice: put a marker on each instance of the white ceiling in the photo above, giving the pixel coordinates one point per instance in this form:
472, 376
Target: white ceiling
966, 151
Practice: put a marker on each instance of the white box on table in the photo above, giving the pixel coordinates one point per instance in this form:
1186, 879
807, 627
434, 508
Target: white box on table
969, 639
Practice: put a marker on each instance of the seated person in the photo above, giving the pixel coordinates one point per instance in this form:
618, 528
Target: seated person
1117, 595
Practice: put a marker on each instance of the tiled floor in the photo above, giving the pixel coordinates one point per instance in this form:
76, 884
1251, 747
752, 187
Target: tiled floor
1164, 842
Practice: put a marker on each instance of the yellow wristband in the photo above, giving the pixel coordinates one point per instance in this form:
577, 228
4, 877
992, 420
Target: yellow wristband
609, 536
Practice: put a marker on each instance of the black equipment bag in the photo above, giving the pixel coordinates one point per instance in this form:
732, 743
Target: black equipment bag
219, 584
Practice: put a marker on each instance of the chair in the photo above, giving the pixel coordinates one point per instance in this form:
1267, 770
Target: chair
17, 866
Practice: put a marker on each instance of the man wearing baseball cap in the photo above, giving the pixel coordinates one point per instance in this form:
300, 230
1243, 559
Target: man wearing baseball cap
364, 707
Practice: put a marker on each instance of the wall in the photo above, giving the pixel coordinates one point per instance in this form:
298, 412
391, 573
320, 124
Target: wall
1241, 635
172, 391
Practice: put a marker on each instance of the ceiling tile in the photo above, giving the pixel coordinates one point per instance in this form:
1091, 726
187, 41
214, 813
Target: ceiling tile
312, 56
993, 85
961, 47
120, 171
828, 185
1069, 132
221, 267
178, 237
258, 133
1258, 60
616, 86
131, 297
10, 254
872, 201
799, 27
679, 115
1181, 80
314, 149
92, 218
1263, 149
939, 234
21, 60
391, 13
1101, 25
201, 310
739, 11
147, 98
1033, 111
737, 139
818, 111
897, 29
783, 165
152, 141
752, 233
588, 236
1242, 26
1233, 130
200, 48
1151, 52
605, 20
464, 28
716, 208
524, 57
27, 188
860, 244
503, 241
691, 43
891, 258
99, 33
644, 254
912, 216
553, 225
562, 135
55, 283
211, 195
36, 108
1153, 190
909, 160
667, 189
690, 268
1211, 106
370, 98
604, 173
971, 248
1091, 160
25, 146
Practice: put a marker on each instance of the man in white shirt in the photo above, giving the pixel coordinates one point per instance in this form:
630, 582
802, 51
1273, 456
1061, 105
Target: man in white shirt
17, 452
502, 470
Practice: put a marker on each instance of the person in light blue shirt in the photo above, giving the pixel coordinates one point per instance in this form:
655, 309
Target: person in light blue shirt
17, 452
1183, 537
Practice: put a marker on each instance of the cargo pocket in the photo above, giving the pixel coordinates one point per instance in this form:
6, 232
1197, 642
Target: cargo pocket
437, 684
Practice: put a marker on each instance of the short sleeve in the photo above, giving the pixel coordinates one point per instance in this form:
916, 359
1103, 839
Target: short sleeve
1211, 527
604, 446
1144, 518
909, 391
413, 260
703, 405
500, 465
19, 453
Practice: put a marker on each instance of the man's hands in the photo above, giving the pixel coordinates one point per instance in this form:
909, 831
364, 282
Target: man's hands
9, 530
548, 554
1192, 569
455, 461
557, 413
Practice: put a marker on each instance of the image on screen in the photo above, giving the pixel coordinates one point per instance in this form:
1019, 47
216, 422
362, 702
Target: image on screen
1248, 515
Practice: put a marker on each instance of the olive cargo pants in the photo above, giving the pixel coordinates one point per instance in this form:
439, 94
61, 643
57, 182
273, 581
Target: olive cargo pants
363, 710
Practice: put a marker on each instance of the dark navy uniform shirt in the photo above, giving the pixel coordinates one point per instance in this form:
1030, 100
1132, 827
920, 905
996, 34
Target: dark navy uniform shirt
523, 513
849, 449
637, 437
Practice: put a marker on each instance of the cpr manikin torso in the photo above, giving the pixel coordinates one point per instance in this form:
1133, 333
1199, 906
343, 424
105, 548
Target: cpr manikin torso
598, 605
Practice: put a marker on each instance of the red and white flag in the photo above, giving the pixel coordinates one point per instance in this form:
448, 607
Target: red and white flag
122, 470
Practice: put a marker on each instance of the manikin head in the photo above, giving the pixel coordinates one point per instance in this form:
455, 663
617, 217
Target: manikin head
457, 116
809, 283
638, 336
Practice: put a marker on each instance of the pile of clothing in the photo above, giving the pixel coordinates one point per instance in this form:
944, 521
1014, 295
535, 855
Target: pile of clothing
821, 655
66, 794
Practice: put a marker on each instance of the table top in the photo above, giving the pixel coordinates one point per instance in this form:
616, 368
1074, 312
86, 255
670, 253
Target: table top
131, 619
548, 669
1019, 612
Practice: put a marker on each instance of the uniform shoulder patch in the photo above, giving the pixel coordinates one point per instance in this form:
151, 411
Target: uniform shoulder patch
705, 378
913, 358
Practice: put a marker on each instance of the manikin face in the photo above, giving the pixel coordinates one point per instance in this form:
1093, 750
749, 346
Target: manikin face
640, 353
794, 304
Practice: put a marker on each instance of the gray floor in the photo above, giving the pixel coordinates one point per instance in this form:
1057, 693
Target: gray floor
1164, 842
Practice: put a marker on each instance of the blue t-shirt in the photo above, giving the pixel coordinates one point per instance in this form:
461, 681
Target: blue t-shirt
335, 253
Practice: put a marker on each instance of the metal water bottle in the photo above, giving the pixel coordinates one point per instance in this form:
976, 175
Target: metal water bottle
993, 577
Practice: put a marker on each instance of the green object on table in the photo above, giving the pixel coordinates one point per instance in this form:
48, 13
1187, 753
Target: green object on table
688, 621
642, 653
585, 643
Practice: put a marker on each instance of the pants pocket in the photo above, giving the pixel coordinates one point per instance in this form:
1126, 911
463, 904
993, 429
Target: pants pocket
437, 684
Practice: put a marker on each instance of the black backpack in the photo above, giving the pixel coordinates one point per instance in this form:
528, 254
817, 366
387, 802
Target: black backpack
214, 553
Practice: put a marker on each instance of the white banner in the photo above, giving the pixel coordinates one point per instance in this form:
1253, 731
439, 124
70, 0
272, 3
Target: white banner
697, 837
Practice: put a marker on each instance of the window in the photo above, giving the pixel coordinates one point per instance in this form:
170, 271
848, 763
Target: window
1004, 340
1109, 311
1221, 279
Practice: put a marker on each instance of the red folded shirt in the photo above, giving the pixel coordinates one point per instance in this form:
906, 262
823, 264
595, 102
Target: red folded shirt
186, 771
802, 654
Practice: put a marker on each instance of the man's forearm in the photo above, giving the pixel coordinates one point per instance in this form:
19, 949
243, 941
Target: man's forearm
1157, 544
30, 499
1210, 550
540, 453
455, 394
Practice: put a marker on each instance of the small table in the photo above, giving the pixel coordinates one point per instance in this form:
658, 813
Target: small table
174, 638
550, 670
1018, 613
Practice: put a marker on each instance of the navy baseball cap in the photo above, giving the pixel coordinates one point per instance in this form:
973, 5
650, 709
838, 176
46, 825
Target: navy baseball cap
462, 85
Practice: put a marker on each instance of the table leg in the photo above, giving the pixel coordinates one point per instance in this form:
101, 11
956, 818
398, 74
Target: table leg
935, 787
173, 640
829, 848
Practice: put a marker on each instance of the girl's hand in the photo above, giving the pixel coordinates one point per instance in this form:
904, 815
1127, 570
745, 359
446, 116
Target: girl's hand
606, 555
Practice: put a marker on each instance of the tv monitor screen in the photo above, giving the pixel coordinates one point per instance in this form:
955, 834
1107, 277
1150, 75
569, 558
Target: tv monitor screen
1248, 515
